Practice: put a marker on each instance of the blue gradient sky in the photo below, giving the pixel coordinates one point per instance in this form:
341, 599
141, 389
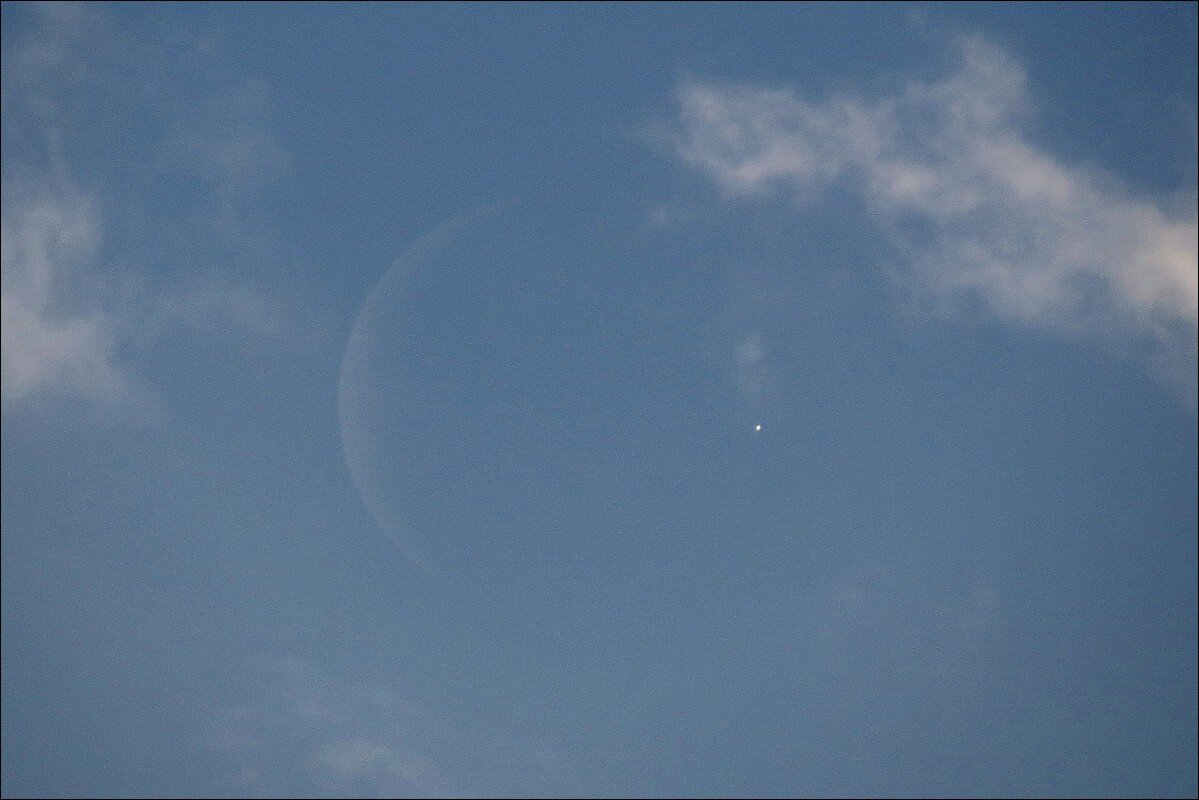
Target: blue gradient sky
380, 386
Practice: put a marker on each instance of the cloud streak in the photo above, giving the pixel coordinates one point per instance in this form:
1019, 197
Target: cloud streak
311, 733
75, 318
322, 735
980, 213
47, 346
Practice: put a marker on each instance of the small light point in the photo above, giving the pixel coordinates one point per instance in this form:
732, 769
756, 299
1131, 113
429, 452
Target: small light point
758, 427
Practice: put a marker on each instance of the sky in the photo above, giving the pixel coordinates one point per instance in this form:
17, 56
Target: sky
599, 400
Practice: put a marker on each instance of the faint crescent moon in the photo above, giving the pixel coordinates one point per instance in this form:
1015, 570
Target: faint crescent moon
354, 399
496, 369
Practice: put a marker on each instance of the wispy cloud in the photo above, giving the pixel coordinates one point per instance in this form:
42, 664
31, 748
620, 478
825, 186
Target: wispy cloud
750, 373
980, 212
316, 734
745, 337
312, 733
363, 736
46, 344
73, 315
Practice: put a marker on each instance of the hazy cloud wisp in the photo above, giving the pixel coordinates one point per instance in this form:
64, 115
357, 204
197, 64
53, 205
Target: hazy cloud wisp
74, 318
46, 346
977, 209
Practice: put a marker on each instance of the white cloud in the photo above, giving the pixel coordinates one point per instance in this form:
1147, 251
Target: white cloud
46, 345
745, 342
373, 760
979, 211
751, 373
72, 325
363, 735
309, 733
323, 735
68, 312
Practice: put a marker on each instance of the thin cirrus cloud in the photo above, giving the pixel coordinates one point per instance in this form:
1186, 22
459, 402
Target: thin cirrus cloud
55, 343
354, 737
72, 311
978, 211
52, 341
309, 732
47, 346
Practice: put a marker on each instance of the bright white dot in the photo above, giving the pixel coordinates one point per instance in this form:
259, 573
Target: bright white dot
758, 427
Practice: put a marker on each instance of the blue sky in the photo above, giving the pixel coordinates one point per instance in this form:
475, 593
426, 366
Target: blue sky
381, 383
